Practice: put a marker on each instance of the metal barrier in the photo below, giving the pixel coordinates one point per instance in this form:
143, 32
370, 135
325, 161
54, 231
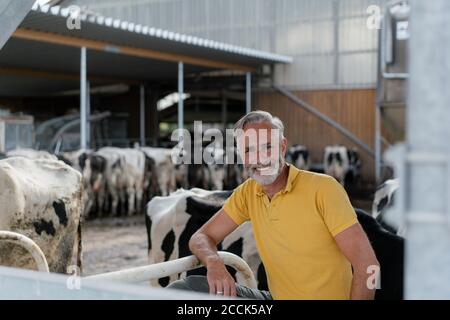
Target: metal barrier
139, 274
168, 268
29, 245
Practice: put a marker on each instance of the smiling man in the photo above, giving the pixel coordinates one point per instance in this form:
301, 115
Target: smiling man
305, 228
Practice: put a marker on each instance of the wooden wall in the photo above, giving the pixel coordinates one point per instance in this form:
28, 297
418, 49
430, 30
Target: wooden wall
353, 109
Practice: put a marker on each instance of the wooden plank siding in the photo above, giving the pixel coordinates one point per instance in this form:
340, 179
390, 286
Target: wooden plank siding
353, 109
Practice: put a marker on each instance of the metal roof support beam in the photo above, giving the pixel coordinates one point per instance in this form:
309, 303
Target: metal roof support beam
180, 95
83, 99
248, 92
142, 113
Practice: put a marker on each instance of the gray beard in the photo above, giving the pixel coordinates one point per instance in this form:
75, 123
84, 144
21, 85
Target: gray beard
265, 180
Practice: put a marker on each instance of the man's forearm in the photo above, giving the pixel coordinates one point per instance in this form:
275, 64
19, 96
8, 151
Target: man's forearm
204, 248
360, 288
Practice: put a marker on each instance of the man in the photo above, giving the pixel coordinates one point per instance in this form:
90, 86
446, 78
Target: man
305, 228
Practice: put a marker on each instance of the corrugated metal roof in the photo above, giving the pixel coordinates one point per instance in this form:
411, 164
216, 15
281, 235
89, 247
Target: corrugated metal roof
98, 27
44, 67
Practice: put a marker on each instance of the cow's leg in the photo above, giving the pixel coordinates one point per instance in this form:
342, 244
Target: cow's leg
139, 197
123, 201
114, 200
131, 199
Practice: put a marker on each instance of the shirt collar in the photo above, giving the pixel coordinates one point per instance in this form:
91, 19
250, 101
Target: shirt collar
293, 172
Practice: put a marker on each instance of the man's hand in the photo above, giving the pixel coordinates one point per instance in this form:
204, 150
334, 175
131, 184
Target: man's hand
203, 245
220, 280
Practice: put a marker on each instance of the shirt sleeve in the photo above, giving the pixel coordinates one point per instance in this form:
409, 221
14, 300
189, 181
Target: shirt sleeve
236, 205
335, 206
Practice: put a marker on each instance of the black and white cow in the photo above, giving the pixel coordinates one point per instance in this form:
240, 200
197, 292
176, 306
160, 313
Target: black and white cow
389, 249
125, 177
165, 175
343, 164
80, 160
216, 166
383, 200
172, 220
41, 199
299, 156
235, 172
384, 197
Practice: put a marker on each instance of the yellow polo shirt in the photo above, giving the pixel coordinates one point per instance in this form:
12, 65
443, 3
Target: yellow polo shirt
295, 231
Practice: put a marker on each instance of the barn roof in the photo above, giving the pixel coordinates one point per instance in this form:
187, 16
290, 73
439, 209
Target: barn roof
43, 55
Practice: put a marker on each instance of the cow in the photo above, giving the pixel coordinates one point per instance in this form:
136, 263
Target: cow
115, 182
31, 154
299, 156
125, 177
165, 171
215, 163
235, 172
181, 169
343, 164
41, 199
384, 197
172, 220
389, 249
134, 175
79, 160
383, 200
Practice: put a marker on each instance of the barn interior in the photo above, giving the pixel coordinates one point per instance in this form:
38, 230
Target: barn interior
132, 78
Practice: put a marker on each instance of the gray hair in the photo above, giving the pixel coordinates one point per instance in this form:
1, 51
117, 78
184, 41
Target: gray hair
260, 116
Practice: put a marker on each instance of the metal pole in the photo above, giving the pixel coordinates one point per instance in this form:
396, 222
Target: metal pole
428, 115
180, 95
379, 98
88, 114
83, 118
377, 143
423, 165
336, 24
224, 111
142, 113
248, 92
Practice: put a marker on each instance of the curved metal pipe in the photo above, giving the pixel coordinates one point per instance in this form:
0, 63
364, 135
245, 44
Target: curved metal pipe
168, 268
29, 245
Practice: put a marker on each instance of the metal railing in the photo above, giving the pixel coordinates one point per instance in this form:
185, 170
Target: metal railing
168, 268
139, 274
29, 245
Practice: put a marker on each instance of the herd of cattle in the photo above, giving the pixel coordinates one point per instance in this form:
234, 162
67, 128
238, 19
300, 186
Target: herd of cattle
43, 198
122, 180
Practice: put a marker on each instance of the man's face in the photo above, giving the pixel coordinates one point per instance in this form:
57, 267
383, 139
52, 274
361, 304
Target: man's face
262, 151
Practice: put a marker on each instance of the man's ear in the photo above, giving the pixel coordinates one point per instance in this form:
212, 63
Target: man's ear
284, 143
